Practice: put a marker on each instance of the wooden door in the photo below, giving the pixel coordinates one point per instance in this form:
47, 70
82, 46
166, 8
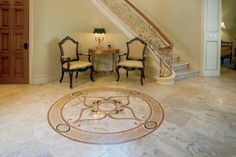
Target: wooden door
14, 39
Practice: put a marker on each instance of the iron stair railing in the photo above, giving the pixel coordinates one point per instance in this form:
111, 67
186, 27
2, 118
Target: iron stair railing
141, 25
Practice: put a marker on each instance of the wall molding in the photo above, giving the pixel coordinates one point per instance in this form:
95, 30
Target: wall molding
45, 78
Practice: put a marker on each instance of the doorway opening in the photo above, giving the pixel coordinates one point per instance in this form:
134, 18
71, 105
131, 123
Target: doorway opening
228, 37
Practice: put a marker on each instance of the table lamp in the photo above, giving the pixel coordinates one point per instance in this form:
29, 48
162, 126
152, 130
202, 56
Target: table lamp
223, 25
99, 35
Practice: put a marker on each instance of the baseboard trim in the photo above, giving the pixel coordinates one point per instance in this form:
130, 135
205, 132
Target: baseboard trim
45, 78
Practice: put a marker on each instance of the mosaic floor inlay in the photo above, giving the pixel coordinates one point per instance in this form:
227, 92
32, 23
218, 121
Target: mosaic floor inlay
105, 115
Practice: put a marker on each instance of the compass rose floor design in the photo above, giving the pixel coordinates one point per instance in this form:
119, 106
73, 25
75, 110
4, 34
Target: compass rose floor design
105, 115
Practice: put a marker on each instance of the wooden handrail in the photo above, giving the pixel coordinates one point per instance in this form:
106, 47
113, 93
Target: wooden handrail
150, 22
165, 48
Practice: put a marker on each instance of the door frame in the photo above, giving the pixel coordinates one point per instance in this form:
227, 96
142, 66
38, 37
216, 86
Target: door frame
31, 37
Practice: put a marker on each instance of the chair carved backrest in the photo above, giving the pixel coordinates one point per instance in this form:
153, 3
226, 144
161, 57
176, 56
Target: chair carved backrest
69, 48
136, 48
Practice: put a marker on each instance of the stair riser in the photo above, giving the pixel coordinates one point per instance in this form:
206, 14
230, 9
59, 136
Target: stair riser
180, 67
189, 75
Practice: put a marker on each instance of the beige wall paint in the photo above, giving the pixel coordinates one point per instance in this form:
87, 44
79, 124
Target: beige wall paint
55, 19
180, 20
229, 18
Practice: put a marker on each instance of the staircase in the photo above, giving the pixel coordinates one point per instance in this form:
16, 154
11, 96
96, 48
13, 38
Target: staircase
183, 69
133, 23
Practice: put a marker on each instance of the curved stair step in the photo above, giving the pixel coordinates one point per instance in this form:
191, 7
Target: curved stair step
186, 73
180, 65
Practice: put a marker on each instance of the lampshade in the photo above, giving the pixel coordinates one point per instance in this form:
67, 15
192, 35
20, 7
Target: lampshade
223, 25
99, 30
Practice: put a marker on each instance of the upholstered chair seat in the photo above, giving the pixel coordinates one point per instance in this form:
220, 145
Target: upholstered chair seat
134, 58
131, 63
77, 64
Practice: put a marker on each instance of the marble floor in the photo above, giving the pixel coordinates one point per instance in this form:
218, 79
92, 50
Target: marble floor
200, 119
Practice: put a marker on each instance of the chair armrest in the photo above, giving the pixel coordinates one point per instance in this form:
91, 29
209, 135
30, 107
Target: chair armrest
124, 54
89, 56
66, 59
121, 55
83, 54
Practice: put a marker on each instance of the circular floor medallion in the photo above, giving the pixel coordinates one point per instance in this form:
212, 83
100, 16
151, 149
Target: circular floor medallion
105, 115
107, 107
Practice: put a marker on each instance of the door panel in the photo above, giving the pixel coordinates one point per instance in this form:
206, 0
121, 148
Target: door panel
19, 1
18, 66
4, 42
5, 65
211, 51
14, 33
4, 1
18, 42
5, 16
18, 17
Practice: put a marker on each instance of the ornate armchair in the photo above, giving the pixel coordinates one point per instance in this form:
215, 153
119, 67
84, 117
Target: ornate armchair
134, 58
70, 59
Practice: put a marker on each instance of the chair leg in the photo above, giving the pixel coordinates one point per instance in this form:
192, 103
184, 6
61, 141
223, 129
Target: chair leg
62, 75
71, 77
127, 73
118, 73
77, 73
91, 73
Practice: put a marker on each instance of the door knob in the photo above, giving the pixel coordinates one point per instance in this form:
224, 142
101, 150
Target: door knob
26, 46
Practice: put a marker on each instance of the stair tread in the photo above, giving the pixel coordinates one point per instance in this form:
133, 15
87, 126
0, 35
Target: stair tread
186, 71
175, 56
180, 63
182, 69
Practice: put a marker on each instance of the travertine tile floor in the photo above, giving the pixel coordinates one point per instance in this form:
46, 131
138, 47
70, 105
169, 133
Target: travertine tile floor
200, 119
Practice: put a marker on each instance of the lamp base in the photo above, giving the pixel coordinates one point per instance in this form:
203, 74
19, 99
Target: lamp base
100, 42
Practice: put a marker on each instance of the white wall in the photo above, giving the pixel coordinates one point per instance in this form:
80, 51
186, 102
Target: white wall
181, 20
55, 19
